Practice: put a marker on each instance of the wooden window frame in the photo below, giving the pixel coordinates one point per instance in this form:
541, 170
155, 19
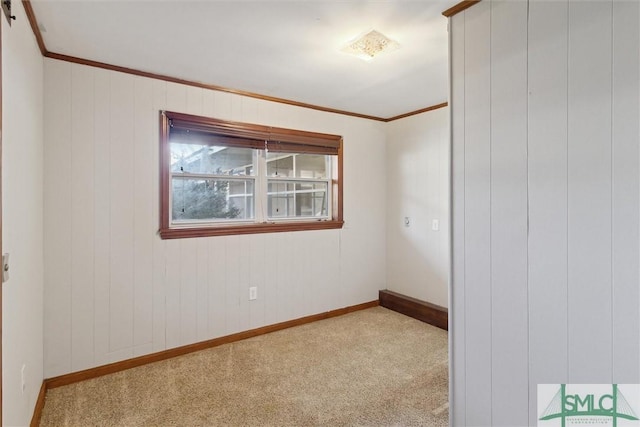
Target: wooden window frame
251, 133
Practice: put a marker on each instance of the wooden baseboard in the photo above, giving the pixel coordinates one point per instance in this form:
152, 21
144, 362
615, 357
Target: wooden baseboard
99, 371
412, 307
37, 411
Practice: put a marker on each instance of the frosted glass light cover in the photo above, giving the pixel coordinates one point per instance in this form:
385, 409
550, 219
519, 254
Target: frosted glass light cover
370, 45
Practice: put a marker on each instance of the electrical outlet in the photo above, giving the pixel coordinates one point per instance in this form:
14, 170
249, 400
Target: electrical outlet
23, 378
253, 293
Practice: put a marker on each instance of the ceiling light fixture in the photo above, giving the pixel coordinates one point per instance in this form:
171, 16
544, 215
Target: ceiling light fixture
370, 45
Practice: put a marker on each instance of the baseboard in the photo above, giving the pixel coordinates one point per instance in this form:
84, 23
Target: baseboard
99, 371
37, 411
412, 307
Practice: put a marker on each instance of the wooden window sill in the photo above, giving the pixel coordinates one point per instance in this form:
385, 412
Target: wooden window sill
230, 230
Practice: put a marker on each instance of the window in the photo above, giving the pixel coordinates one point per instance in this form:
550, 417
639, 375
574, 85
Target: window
221, 178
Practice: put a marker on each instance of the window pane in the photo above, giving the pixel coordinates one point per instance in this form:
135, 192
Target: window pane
210, 199
311, 199
280, 200
311, 166
212, 160
285, 165
297, 200
280, 165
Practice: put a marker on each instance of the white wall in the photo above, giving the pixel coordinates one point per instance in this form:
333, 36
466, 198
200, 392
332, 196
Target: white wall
417, 187
114, 290
545, 115
22, 216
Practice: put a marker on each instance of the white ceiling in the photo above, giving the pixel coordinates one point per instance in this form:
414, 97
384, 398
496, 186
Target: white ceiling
285, 49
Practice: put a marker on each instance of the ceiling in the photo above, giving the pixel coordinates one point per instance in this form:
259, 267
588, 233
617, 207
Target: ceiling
284, 49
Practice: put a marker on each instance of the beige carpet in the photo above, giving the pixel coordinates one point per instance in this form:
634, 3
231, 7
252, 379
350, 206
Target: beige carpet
369, 368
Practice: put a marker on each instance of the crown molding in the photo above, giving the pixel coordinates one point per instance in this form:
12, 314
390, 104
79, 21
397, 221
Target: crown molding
459, 7
413, 113
88, 62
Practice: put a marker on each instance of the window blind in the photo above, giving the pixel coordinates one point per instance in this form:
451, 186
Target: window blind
187, 129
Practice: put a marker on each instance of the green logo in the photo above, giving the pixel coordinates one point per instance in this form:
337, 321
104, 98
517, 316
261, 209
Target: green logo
588, 403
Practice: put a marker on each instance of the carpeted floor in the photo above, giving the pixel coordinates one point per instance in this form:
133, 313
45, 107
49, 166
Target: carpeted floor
369, 368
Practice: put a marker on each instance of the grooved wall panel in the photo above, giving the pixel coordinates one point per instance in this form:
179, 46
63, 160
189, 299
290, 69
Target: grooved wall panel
159, 284
626, 191
457, 348
561, 181
57, 222
202, 290
114, 289
509, 381
102, 222
82, 218
477, 219
258, 248
547, 164
121, 103
217, 315
589, 201
234, 264
144, 206
188, 297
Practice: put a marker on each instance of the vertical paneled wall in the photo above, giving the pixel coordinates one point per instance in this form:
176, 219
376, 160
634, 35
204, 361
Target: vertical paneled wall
22, 219
417, 182
115, 290
546, 193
